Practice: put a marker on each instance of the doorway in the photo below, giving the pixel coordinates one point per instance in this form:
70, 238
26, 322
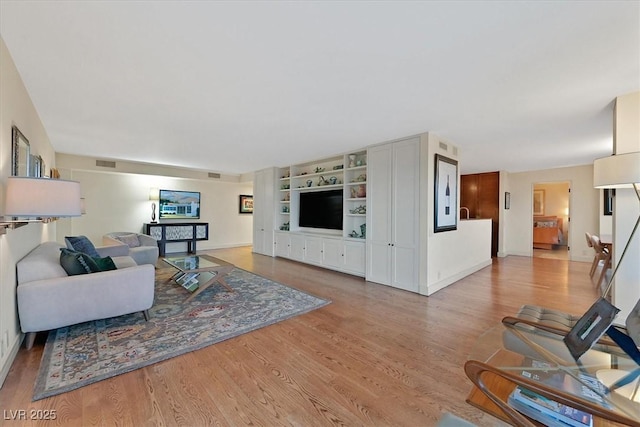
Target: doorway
551, 219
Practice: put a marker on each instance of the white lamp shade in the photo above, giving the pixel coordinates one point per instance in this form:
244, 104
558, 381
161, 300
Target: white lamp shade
154, 194
618, 171
42, 197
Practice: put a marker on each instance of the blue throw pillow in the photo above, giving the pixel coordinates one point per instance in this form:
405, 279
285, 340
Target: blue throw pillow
77, 263
80, 263
81, 244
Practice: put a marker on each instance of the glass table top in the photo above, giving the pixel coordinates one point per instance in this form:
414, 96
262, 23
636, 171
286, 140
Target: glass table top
543, 357
192, 263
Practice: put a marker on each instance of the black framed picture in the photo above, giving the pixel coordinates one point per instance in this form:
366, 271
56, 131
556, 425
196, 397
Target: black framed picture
507, 200
608, 193
246, 204
446, 194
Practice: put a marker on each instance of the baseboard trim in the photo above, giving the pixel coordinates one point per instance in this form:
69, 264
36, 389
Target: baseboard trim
12, 356
441, 284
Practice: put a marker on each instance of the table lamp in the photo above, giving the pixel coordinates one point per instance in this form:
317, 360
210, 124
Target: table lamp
153, 196
38, 199
619, 171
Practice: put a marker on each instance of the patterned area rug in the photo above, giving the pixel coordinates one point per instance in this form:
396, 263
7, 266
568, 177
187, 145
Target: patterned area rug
82, 354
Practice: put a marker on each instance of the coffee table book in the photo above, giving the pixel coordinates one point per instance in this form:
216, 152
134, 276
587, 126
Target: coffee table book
546, 411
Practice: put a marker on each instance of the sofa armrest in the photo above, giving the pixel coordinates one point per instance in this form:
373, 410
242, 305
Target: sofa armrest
113, 250
146, 240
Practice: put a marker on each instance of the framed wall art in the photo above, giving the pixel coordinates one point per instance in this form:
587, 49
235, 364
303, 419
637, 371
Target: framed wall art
538, 202
246, 204
446, 194
20, 153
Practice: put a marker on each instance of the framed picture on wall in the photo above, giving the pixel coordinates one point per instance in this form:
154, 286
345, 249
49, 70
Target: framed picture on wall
538, 202
446, 194
246, 204
608, 201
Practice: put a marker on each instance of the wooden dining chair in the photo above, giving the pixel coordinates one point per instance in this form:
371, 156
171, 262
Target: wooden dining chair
596, 259
603, 256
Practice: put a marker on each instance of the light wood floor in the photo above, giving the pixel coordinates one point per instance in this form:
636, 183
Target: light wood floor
375, 356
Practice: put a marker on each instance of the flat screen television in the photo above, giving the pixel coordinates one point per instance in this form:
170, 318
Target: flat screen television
176, 204
321, 209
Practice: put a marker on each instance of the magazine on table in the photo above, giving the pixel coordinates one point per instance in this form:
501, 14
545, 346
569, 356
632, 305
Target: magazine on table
547, 411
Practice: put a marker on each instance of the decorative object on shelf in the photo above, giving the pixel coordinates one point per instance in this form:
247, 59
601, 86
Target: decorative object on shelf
359, 191
446, 191
319, 170
309, 183
360, 178
287, 197
363, 232
285, 209
352, 160
333, 180
154, 196
338, 167
284, 227
285, 186
246, 204
359, 163
362, 209
322, 181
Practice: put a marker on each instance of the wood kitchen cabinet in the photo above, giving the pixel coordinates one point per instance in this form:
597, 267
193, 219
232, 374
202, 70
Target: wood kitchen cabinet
480, 193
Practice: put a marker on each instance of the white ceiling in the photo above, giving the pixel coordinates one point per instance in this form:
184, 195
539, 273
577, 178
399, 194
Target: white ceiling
238, 86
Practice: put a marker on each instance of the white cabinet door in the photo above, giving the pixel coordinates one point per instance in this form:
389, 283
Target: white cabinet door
263, 211
405, 214
379, 162
296, 249
282, 247
313, 250
393, 179
353, 257
332, 254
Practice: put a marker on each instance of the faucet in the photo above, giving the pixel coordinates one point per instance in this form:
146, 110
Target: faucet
466, 209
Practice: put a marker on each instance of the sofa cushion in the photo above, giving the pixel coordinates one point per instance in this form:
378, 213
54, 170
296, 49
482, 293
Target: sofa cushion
130, 240
77, 262
81, 244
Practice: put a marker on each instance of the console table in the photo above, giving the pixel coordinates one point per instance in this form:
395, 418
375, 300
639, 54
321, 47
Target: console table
173, 232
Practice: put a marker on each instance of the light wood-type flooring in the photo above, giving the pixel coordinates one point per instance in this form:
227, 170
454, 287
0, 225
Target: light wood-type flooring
375, 356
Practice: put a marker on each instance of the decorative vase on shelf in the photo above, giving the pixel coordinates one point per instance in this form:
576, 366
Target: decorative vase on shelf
352, 160
363, 231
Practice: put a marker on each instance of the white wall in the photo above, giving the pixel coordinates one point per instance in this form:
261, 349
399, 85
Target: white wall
447, 257
16, 109
119, 201
626, 289
583, 202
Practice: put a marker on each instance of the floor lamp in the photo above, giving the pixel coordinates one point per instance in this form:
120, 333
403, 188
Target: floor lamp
618, 171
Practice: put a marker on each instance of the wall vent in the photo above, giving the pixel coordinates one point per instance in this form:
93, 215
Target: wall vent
214, 175
106, 164
444, 146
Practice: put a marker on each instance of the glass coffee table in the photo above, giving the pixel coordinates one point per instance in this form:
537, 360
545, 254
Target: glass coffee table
514, 354
197, 272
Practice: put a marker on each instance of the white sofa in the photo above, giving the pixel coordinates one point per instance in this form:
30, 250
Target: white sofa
48, 298
144, 251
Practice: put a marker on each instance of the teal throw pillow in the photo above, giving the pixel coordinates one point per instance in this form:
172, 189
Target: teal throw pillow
105, 264
81, 244
75, 263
